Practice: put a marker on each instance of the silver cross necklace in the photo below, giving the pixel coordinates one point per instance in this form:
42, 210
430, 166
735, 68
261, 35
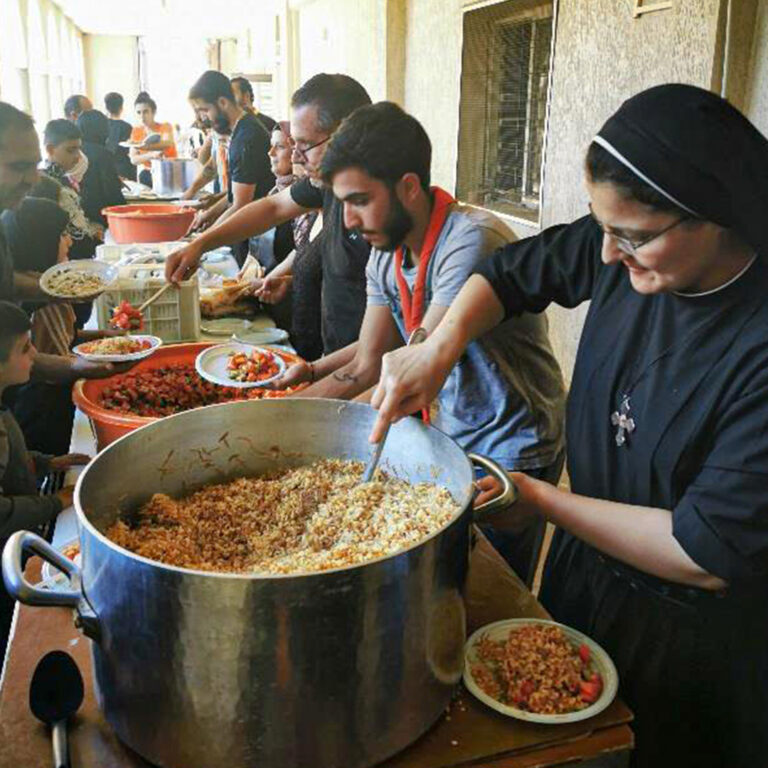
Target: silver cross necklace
620, 418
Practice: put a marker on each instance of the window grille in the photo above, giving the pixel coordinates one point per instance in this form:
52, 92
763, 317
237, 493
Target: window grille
503, 110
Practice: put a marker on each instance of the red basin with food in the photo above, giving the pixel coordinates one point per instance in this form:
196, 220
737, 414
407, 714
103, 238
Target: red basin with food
148, 222
163, 384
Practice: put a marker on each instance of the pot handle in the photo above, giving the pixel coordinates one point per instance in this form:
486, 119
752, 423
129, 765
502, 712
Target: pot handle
508, 494
20, 589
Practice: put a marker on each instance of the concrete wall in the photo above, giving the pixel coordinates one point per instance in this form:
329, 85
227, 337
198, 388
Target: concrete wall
111, 64
757, 89
348, 36
602, 56
411, 50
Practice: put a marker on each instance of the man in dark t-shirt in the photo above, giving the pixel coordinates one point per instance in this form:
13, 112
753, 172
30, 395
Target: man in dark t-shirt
250, 172
345, 254
243, 91
119, 130
317, 109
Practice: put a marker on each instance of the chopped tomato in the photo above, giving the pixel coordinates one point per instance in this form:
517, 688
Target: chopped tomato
584, 653
126, 317
591, 689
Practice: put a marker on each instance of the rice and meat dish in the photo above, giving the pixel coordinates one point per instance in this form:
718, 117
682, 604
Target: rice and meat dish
172, 389
74, 283
310, 518
118, 345
537, 669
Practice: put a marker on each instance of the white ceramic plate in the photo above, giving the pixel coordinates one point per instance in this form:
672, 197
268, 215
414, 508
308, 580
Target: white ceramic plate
211, 364
225, 326
106, 272
261, 336
600, 660
51, 576
155, 342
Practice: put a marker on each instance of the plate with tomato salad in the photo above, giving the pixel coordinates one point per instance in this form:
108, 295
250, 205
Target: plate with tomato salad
540, 671
239, 365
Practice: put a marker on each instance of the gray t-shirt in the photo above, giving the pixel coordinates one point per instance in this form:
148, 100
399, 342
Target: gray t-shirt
505, 398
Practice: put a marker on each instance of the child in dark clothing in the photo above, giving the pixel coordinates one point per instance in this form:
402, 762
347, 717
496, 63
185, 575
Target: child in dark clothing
21, 507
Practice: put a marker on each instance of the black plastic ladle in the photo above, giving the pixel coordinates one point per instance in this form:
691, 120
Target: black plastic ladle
55, 694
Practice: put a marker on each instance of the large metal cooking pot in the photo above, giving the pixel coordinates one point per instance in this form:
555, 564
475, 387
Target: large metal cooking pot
173, 176
338, 669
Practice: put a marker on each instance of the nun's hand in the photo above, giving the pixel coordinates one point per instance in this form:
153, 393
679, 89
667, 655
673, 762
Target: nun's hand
488, 488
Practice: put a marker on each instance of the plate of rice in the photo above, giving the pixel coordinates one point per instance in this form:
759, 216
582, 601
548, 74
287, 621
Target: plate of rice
118, 349
78, 280
539, 671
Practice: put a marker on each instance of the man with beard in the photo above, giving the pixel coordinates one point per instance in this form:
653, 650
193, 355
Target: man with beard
506, 398
19, 158
317, 108
250, 173
243, 91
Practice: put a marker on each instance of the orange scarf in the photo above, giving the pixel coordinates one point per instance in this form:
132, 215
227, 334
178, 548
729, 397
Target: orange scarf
413, 304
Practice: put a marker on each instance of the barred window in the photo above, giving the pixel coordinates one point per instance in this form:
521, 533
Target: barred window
503, 110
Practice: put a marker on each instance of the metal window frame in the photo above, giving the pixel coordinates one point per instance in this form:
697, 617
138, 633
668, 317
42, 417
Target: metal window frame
511, 217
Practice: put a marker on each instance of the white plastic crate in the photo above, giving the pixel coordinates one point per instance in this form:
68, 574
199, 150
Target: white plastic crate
114, 252
175, 316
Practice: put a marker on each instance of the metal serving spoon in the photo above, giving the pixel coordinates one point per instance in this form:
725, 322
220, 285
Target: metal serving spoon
55, 694
417, 336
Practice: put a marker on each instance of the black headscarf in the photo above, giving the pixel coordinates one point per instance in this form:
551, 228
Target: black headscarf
32, 233
698, 151
94, 126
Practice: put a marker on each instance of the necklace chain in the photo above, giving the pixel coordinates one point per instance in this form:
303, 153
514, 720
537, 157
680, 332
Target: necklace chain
621, 418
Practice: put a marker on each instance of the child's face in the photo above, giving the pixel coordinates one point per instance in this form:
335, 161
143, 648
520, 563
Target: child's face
16, 369
66, 154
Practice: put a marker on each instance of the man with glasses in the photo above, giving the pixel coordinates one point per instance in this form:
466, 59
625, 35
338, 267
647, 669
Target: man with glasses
317, 108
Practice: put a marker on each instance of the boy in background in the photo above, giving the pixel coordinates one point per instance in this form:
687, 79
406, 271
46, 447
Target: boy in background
21, 507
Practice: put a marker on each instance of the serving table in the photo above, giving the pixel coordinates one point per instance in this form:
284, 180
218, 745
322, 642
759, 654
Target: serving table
467, 734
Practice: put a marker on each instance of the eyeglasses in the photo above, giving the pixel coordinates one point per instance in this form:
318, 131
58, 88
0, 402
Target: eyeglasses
302, 153
631, 247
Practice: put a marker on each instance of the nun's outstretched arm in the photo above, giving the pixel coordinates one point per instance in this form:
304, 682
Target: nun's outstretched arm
639, 536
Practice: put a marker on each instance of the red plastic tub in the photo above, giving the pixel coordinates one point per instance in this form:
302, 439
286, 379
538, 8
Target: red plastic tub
148, 223
109, 425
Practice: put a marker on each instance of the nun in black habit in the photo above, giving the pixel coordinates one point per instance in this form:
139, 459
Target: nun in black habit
661, 550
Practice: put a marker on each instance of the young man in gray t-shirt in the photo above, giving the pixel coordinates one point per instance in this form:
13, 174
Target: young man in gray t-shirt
505, 399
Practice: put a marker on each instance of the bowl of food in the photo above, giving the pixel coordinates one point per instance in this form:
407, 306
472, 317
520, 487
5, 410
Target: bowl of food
78, 280
118, 349
148, 223
239, 365
539, 670
162, 385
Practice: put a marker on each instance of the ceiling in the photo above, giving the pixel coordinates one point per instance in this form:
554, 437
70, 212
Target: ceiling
222, 18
